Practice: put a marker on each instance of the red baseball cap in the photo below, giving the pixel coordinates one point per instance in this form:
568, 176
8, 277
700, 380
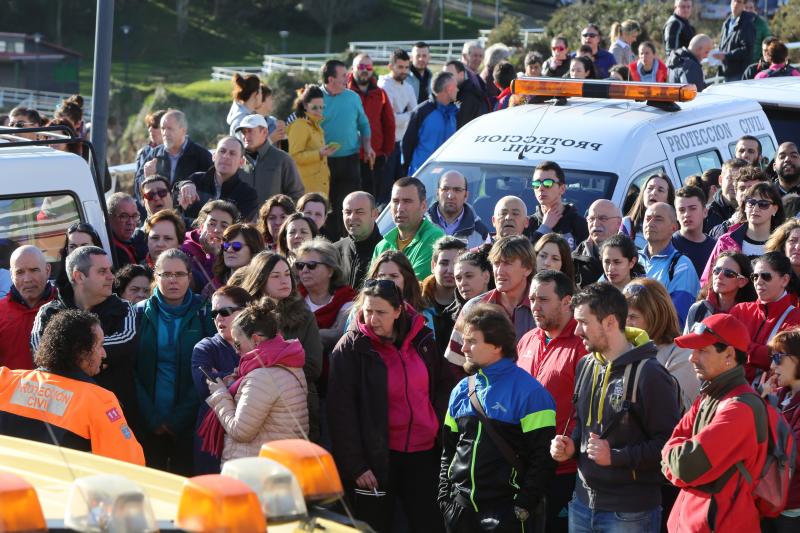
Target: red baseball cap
722, 327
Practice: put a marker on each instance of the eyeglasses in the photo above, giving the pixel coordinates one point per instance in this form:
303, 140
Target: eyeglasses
601, 219
22, 124
777, 357
224, 311
125, 217
700, 328
236, 246
172, 275
316, 107
311, 265
766, 276
159, 193
558, 48
726, 272
455, 190
762, 204
588, 35
365, 67
546, 183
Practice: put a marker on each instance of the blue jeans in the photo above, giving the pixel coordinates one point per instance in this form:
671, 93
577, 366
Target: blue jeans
583, 519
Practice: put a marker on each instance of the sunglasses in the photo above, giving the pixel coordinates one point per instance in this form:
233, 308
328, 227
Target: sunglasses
224, 311
700, 328
590, 35
558, 48
766, 276
546, 183
383, 285
777, 357
726, 272
235, 245
365, 67
762, 204
311, 265
152, 195
21, 124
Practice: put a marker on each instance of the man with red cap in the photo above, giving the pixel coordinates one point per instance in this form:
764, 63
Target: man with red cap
726, 426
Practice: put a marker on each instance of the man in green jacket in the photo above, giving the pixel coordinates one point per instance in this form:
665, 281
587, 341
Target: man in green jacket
762, 28
413, 234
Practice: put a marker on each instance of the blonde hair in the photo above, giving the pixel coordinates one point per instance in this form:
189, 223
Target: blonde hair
652, 300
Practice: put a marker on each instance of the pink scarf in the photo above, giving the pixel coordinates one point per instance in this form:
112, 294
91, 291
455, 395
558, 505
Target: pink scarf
271, 352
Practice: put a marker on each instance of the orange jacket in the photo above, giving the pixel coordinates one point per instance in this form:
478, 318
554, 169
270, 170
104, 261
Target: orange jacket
84, 414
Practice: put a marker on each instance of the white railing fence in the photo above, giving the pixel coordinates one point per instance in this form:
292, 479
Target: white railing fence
42, 101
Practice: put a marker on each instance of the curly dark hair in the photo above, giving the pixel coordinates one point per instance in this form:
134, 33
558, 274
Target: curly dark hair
66, 341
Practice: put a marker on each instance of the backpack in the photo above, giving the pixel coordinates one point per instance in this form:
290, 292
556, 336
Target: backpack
786, 70
771, 487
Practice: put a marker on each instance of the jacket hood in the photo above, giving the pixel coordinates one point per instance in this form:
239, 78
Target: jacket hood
277, 351
417, 323
677, 57
643, 348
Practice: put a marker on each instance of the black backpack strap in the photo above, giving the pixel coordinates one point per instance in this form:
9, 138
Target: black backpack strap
502, 445
673, 262
629, 397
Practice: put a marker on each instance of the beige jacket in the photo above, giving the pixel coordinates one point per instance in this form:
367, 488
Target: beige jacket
269, 405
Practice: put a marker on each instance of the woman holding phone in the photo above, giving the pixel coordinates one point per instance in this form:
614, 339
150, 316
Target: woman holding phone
307, 141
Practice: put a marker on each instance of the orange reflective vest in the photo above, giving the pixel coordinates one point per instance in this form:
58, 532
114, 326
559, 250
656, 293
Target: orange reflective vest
84, 409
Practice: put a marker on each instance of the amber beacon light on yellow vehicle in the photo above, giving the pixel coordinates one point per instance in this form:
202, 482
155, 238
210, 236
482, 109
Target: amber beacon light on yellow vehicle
623, 90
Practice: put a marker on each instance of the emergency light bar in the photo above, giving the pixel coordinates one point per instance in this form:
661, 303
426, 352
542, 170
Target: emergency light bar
623, 90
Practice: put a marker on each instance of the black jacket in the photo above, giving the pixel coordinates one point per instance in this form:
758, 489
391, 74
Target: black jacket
751, 71
195, 158
572, 226
357, 410
588, 265
472, 103
737, 43
555, 72
118, 321
424, 78
356, 257
236, 191
633, 480
718, 212
677, 33
683, 67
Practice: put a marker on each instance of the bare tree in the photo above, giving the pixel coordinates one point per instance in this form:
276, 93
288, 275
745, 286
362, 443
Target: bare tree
182, 14
331, 13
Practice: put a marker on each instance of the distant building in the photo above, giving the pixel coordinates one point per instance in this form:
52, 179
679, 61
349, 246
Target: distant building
42, 66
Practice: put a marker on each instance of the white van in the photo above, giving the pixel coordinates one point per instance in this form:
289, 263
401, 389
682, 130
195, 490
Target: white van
607, 147
779, 98
44, 192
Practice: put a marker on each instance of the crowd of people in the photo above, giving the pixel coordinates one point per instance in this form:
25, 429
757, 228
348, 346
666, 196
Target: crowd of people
543, 371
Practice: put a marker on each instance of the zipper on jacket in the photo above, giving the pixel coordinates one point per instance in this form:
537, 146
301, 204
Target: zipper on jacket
408, 402
475, 444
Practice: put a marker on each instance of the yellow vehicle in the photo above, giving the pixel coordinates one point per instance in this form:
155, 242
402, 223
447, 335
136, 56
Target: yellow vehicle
50, 488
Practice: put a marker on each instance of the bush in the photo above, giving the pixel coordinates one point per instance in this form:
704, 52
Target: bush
786, 22
284, 87
507, 32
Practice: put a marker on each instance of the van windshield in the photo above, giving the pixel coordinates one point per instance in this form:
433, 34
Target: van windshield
488, 183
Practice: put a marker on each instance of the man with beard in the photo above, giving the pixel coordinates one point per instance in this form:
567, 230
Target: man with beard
361, 80
453, 214
624, 396
401, 96
604, 218
749, 149
787, 167
550, 352
359, 214
421, 76
471, 98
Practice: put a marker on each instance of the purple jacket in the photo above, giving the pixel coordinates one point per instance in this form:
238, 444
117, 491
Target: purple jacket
730, 241
202, 262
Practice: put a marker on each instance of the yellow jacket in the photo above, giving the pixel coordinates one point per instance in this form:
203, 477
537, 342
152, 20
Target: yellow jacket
305, 140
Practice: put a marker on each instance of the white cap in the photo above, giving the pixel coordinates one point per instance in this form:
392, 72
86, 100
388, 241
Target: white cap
252, 121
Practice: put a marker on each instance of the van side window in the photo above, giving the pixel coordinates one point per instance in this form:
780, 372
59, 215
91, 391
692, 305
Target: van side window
636, 185
697, 163
41, 221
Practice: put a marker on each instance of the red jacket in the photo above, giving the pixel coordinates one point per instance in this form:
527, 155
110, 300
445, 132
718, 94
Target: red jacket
661, 72
553, 365
791, 413
379, 113
760, 319
714, 435
16, 323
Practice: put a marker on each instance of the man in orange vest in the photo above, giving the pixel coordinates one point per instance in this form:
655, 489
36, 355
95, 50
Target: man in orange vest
61, 393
